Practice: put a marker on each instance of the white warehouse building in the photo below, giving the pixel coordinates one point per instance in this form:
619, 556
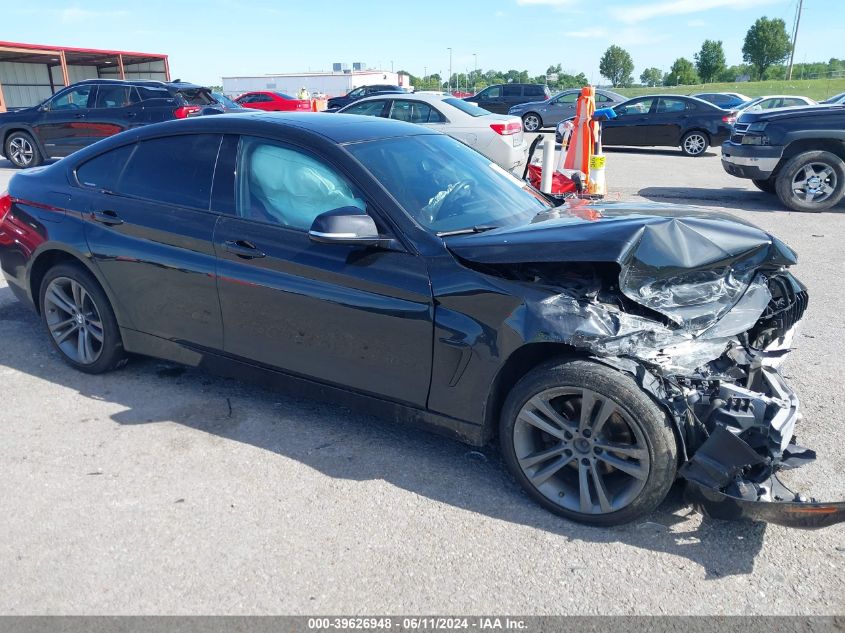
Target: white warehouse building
333, 84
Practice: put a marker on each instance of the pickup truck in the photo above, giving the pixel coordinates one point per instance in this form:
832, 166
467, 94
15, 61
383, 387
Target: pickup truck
797, 153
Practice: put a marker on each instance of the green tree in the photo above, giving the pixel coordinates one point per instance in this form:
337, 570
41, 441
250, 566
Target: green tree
652, 77
616, 64
682, 73
710, 61
766, 43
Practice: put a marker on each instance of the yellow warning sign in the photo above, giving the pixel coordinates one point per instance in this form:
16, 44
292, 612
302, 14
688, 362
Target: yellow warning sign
597, 162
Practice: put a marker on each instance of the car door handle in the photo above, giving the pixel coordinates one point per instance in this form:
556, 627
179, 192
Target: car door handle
131, 115
243, 249
79, 116
108, 217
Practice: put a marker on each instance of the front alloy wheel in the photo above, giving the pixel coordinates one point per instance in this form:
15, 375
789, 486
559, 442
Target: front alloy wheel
587, 443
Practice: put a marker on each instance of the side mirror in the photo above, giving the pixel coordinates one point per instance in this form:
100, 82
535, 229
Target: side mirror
346, 225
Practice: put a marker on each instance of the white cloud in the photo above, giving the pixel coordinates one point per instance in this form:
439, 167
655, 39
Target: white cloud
75, 14
643, 12
588, 32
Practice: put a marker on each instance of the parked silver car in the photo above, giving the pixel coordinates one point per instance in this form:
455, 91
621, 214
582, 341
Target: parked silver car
548, 113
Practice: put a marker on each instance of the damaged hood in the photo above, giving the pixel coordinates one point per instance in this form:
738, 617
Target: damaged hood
660, 236
688, 264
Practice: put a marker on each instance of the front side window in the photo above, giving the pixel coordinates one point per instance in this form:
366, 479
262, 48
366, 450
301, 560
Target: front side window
172, 170
640, 106
567, 98
492, 93
367, 108
74, 99
444, 185
284, 186
358, 92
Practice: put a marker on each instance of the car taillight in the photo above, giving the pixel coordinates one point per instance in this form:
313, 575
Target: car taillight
506, 129
729, 118
5, 205
184, 112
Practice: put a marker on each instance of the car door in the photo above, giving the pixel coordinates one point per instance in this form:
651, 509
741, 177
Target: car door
511, 96
491, 99
116, 109
560, 108
354, 316
631, 118
667, 121
149, 228
61, 124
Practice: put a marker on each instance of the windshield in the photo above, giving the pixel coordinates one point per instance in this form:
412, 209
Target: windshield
446, 186
748, 104
466, 107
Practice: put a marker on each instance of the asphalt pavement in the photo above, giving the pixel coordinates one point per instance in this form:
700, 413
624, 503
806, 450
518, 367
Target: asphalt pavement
159, 489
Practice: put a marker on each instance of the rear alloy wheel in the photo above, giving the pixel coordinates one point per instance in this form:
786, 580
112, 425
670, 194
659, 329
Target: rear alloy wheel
587, 443
532, 122
766, 186
694, 143
80, 320
812, 181
22, 151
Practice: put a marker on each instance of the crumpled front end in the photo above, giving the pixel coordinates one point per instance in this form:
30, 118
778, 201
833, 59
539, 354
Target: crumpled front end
703, 318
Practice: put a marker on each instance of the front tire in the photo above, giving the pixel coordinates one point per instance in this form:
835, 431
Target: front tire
80, 320
22, 150
532, 122
587, 443
811, 181
694, 143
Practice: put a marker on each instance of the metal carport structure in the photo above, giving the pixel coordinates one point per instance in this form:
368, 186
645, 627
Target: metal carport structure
30, 73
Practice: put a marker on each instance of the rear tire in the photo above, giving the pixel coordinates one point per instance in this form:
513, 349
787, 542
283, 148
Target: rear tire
811, 181
766, 186
80, 320
694, 143
611, 466
22, 150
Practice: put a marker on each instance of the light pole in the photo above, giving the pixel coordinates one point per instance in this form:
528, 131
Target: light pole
425, 76
449, 84
474, 70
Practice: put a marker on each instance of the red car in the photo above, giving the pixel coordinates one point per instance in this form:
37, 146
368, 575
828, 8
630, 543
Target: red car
273, 102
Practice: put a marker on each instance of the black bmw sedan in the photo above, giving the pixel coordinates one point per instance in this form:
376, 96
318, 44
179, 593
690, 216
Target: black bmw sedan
608, 349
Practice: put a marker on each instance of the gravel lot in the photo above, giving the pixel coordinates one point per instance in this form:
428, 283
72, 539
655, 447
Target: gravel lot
160, 490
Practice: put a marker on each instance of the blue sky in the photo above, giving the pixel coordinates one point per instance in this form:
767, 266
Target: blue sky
208, 39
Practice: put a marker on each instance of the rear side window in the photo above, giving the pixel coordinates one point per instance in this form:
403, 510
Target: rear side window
534, 91
665, 106
511, 91
152, 92
196, 96
104, 171
172, 170
415, 112
115, 96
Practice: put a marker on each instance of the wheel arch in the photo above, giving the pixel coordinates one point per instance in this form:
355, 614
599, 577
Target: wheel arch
518, 364
703, 130
20, 127
53, 256
799, 146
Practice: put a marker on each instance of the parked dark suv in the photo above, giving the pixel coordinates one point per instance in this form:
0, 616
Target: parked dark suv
90, 110
797, 153
502, 97
359, 93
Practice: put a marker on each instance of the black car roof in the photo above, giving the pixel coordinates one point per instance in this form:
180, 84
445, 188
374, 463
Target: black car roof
140, 82
337, 128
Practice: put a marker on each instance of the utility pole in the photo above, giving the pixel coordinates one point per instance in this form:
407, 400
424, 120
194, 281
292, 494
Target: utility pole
425, 77
449, 84
794, 37
474, 70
